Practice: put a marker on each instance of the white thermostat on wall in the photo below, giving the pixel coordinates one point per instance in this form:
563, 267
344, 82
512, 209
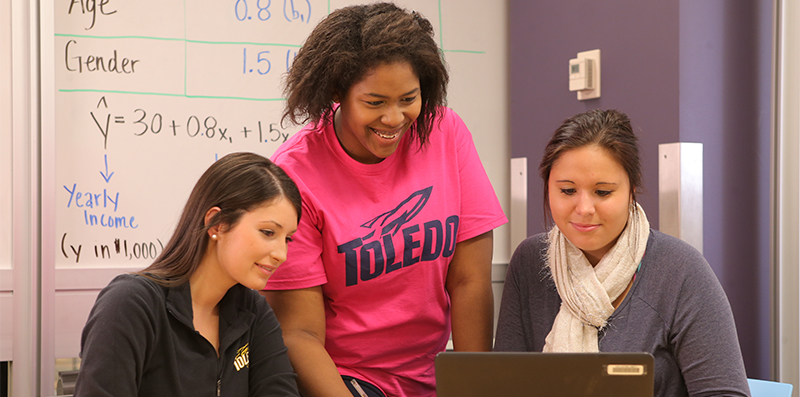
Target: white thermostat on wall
584, 74
580, 74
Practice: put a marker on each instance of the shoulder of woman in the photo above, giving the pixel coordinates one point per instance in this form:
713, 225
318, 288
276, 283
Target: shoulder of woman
253, 303
130, 303
686, 267
248, 298
298, 144
664, 246
535, 243
531, 250
133, 281
131, 288
449, 116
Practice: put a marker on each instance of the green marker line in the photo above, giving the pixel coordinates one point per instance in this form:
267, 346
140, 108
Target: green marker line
236, 97
441, 28
119, 92
174, 39
169, 95
185, 53
441, 36
243, 42
86, 36
466, 51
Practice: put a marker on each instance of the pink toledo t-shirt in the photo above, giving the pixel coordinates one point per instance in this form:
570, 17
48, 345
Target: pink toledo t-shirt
379, 239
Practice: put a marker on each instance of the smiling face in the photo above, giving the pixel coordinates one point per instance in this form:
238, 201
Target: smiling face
589, 197
250, 251
378, 111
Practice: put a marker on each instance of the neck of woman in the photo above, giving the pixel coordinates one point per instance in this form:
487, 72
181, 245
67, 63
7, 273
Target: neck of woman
207, 287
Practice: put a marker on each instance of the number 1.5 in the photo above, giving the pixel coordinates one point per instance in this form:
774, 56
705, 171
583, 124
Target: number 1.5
261, 61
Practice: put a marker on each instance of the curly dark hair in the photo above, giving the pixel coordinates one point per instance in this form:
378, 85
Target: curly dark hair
350, 42
609, 129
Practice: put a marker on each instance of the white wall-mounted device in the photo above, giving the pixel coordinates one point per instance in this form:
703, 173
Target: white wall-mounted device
680, 191
580, 74
584, 74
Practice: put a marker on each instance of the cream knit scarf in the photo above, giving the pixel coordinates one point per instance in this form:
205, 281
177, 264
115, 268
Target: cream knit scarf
587, 292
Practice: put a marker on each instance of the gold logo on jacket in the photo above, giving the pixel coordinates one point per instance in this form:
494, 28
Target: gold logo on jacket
242, 357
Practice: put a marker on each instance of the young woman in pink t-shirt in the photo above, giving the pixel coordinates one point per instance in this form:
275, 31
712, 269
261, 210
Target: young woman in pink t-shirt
394, 247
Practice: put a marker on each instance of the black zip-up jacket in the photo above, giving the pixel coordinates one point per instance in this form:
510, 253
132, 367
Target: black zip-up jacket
140, 340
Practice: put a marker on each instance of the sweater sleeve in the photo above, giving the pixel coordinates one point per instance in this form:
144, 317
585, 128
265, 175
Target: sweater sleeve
271, 373
513, 330
116, 337
704, 336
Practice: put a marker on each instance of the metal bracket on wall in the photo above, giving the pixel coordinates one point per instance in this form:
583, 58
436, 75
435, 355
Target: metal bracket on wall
518, 215
680, 191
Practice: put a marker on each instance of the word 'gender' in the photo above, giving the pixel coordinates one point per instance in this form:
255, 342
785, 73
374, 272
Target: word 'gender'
96, 63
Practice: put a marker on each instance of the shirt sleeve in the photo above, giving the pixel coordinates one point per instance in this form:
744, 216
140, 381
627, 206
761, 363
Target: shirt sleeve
115, 340
703, 336
303, 267
271, 373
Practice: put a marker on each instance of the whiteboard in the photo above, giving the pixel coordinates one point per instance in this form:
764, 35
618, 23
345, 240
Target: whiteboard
6, 276
149, 93
5, 138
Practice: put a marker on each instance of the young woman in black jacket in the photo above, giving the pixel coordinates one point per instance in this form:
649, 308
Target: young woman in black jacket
191, 323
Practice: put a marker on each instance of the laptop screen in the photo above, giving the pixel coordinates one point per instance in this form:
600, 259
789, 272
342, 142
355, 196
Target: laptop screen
465, 374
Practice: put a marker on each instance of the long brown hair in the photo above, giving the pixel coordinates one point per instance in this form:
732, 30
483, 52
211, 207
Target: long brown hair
350, 42
236, 183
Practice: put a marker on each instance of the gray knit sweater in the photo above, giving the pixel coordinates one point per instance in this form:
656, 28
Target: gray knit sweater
676, 310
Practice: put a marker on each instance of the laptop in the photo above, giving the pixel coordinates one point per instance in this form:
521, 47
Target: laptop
466, 374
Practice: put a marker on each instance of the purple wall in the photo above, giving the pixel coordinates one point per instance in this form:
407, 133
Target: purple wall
725, 69
638, 41
683, 71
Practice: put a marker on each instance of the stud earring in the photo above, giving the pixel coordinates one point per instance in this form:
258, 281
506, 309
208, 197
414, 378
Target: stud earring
213, 236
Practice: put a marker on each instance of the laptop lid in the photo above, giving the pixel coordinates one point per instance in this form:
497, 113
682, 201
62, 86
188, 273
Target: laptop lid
465, 374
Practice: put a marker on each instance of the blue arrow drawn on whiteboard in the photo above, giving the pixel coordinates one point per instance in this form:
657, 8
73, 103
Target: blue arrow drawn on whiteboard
107, 178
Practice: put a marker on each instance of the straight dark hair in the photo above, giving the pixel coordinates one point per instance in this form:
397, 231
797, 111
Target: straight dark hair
608, 129
236, 183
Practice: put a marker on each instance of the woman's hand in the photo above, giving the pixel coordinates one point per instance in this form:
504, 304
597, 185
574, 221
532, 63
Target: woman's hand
302, 316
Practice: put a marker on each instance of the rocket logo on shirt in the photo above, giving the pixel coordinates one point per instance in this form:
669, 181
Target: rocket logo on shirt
242, 358
378, 252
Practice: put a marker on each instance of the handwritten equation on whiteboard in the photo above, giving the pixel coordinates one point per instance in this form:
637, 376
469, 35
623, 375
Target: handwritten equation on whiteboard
146, 101
144, 124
